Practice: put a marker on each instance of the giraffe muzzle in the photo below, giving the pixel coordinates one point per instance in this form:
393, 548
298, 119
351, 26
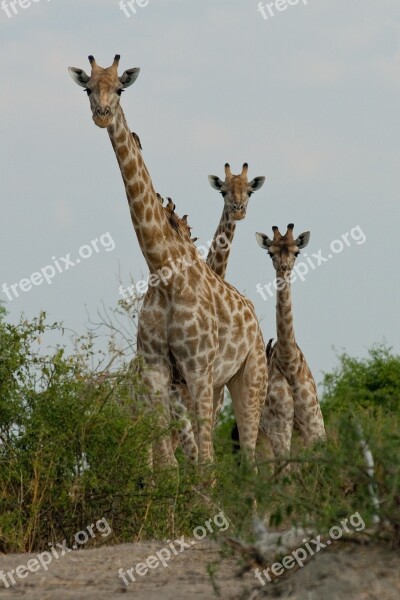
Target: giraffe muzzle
239, 211
103, 111
102, 116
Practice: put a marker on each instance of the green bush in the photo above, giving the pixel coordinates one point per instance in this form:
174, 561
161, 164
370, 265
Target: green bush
72, 450
331, 481
367, 383
75, 439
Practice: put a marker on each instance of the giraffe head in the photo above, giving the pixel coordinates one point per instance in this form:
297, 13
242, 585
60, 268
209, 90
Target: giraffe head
104, 88
283, 249
236, 190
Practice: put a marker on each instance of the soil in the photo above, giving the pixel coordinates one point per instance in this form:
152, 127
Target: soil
342, 572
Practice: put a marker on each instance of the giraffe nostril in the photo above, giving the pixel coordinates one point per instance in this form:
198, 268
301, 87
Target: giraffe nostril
103, 112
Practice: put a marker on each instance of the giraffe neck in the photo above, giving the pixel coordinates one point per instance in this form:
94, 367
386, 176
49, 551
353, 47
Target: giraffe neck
218, 255
149, 219
286, 341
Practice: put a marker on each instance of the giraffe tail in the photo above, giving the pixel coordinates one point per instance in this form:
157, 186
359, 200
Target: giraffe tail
235, 438
268, 349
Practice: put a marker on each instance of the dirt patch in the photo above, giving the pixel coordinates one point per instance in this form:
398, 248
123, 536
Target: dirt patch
349, 571
344, 572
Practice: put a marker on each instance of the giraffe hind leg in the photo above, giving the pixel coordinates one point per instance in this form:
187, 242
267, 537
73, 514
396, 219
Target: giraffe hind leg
247, 390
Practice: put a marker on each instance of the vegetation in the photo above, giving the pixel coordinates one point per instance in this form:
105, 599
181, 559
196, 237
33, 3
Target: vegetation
366, 384
74, 441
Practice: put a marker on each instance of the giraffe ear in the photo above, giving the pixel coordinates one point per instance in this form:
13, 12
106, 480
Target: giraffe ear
256, 183
78, 76
215, 182
263, 241
303, 240
128, 77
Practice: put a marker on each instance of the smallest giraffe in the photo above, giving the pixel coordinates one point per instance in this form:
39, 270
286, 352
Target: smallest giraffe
292, 399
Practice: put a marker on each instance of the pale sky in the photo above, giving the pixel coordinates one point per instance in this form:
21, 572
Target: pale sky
309, 98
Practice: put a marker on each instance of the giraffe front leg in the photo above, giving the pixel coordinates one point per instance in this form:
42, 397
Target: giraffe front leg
308, 417
156, 379
181, 410
277, 416
201, 391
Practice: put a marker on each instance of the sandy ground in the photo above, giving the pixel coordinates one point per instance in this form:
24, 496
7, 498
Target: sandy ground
344, 572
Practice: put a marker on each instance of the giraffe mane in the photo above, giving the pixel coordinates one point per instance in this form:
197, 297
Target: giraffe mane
178, 224
137, 139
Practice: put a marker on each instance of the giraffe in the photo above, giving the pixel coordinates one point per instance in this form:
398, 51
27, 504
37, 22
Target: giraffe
208, 328
292, 399
236, 191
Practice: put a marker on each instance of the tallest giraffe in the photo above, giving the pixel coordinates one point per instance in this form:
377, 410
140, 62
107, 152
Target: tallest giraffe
207, 326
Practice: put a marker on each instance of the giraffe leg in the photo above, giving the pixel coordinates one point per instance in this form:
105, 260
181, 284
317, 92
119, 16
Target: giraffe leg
264, 450
245, 408
218, 403
156, 378
201, 390
308, 417
278, 413
153, 351
181, 405
247, 390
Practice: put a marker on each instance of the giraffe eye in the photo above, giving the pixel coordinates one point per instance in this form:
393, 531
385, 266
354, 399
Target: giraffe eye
297, 253
250, 194
88, 91
119, 91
